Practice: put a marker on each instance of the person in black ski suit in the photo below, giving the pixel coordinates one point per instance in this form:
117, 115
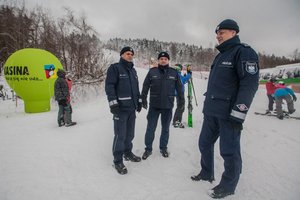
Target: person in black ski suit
232, 84
62, 94
162, 82
122, 90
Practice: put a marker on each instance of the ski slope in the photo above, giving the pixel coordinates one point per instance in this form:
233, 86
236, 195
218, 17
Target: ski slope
41, 161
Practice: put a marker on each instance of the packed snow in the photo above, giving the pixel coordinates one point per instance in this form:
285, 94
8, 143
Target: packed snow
41, 161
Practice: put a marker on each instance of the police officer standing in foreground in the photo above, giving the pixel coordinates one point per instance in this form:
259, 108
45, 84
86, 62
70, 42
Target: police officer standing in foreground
122, 90
162, 81
232, 84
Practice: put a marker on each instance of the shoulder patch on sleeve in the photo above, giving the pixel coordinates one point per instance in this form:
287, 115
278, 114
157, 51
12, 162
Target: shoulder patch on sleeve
242, 107
251, 67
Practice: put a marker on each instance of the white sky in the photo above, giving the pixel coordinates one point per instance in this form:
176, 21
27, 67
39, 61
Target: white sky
270, 26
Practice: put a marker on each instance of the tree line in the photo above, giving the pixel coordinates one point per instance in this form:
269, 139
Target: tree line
200, 58
182, 53
81, 52
72, 40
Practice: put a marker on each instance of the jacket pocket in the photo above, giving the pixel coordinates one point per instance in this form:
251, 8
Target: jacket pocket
220, 97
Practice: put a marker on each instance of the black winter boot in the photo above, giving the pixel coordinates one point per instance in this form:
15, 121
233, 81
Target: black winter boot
133, 158
164, 153
121, 169
200, 178
146, 154
219, 192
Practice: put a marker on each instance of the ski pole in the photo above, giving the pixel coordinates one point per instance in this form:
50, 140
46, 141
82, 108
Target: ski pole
194, 91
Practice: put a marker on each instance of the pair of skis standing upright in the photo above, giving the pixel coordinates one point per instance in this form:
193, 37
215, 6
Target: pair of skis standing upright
191, 92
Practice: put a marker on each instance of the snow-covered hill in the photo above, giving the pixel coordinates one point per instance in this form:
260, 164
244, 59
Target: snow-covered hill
40, 161
282, 71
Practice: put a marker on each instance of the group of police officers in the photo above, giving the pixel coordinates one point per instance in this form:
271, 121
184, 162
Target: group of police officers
232, 84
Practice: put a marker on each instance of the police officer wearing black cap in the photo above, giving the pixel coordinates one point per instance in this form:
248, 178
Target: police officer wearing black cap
232, 84
162, 81
122, 90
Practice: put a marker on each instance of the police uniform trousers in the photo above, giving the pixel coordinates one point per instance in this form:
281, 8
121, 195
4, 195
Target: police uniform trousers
214, 128
124, 125
152, 117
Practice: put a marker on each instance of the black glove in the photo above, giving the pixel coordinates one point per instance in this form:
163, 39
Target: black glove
139, 108
236, 125
63, 102
294, 98
145, 103
115, 109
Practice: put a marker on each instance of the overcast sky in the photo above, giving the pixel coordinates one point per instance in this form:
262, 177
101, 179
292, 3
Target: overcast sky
270, 26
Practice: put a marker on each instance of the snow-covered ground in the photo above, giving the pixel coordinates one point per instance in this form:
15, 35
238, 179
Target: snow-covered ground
40, 161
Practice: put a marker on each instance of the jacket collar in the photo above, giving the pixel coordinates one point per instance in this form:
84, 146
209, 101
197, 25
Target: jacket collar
228, 44
163, 68
128, 65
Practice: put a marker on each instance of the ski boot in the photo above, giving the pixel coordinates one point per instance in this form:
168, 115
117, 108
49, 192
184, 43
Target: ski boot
292, 111
268, 112
280, 117
178, 124
70, 124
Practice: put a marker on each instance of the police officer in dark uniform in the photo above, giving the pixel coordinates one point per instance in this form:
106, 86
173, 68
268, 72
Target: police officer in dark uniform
122, 90
162, 81
233, 82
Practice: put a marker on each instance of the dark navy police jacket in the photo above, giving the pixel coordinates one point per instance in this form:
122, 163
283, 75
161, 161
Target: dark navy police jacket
233, 81
162, 81
122, 86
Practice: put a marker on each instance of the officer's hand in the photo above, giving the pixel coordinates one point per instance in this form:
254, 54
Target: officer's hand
139, 108
236, 125
294, 98
63, 102
145, 103
115, 109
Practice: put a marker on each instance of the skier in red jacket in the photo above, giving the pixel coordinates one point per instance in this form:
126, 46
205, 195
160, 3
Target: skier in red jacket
271, 87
